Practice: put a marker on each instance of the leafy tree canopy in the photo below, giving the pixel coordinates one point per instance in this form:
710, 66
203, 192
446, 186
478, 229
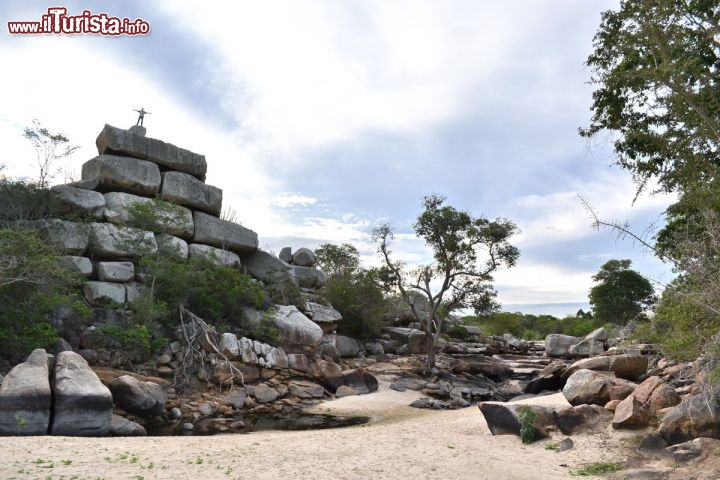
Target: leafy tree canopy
466, 251
655, 65
621, 294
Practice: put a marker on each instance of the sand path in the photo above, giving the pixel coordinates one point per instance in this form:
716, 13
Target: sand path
399, 443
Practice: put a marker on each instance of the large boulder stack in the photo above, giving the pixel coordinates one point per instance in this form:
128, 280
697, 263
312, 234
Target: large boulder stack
132, 169
68, 400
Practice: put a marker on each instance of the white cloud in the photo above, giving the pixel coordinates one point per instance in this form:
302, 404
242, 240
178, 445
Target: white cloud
562, 216
533, 283
313, 73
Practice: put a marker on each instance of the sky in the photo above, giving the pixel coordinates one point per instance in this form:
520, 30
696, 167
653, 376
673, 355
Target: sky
321, 119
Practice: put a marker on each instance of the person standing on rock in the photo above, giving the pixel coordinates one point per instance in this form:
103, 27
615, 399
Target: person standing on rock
142, 113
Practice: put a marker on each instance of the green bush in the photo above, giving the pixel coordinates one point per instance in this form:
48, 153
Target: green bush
353, 291
527, 418
34, 283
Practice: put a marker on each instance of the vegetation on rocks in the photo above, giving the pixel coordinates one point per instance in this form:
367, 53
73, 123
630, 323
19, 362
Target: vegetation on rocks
35, 286
655, 71
353, 291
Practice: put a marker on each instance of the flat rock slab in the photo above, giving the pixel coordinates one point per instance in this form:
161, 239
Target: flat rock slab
218, 256
223, 234
26, 398
111, 173
626, 366
125, 142
268, 268
70, 238
79, 200
184, 189
83, 405
110, 242
171, 219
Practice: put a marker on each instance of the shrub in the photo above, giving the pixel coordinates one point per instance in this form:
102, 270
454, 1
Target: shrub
34, 283
527, 418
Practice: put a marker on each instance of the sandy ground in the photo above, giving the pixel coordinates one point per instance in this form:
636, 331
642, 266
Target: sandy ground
399, 443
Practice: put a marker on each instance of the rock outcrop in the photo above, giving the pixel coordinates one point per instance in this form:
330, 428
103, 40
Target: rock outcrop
26, 397
83, 405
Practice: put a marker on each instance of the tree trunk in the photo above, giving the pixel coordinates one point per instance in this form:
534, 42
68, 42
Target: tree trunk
430, 346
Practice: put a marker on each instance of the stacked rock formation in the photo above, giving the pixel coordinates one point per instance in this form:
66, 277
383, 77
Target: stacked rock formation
130, 169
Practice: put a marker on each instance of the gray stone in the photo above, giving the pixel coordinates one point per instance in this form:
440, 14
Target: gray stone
305, 277
360, 380
82, 404
697, 416
184, 189
265, 394
588, 386
558, 346
104, 293
627, 366
261, 348
502, 418
329, 350
347, 347
321, 314
374, 348
304, 389
116, 271
599, 334
581, 418
697, 449
276, 358
82, 265
223, 234
122, 427
117, 140
246, 351
173, 220
587, 348
321, 280
268, 268
173, 246
138, 397
298, 361
329, 374
286, 255
229, 346
138, 130
133, 291
112, 173
79, 200
296, 330
26, 398
109, 241
218, 256
69, 238
303, 257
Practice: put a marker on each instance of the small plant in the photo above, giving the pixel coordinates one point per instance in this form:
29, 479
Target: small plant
527, 418
552, 446
199, 461
67, 462
597, 469
134, 459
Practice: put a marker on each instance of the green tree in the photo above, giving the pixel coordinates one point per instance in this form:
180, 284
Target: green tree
353, 291
49, 148
655, 65
459, 277
34, 284
621, 295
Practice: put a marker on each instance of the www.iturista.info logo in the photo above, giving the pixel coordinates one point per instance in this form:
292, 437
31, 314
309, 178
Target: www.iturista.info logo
57, 21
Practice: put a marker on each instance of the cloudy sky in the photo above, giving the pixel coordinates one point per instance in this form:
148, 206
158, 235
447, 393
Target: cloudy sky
320, 119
